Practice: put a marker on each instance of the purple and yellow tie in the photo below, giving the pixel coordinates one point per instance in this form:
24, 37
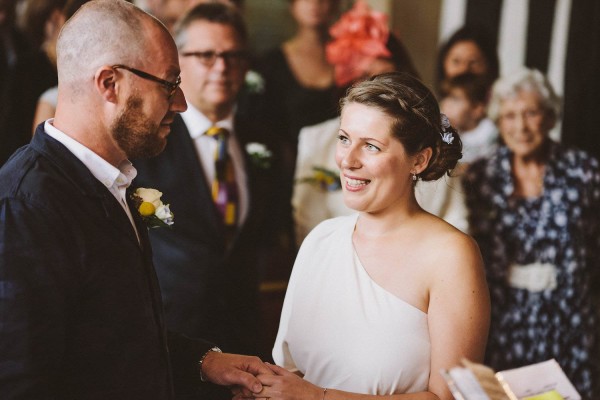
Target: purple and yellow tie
224, 187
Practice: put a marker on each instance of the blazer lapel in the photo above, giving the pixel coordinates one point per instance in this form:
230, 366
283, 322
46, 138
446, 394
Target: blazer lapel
118, 217
75, 171
184, 149
243, 139
147, 251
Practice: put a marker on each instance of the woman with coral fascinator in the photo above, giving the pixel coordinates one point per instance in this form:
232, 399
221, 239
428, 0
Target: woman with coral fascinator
362, 46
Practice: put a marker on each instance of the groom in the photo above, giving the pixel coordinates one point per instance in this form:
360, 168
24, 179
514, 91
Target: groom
80, 308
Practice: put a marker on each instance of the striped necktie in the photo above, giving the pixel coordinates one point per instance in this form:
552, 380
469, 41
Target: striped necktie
224, 187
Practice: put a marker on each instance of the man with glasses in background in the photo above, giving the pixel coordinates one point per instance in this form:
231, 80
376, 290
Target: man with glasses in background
80, 307
207, 264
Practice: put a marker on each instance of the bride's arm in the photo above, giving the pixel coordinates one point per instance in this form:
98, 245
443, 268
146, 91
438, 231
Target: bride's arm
459, 309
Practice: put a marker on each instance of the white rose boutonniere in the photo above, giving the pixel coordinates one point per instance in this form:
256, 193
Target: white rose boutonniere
151, 208
260, 155
254, 82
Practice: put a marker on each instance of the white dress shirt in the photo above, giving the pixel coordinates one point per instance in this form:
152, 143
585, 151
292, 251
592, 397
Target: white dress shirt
197, 124
116, 180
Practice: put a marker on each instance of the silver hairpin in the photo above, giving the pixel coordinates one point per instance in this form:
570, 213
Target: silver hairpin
445, 121
447, 136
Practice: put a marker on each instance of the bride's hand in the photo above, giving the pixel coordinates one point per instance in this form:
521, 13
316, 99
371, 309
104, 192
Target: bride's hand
285, 385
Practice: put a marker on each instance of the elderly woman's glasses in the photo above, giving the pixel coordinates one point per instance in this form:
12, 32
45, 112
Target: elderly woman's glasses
208, 58
527, 115
171, 87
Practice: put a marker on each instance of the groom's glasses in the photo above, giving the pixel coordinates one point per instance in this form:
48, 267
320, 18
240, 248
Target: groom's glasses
171, 87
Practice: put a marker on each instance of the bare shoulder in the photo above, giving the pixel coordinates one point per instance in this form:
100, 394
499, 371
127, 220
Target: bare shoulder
453, 251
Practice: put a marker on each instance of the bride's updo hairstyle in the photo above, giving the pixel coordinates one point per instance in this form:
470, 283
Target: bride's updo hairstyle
417, 122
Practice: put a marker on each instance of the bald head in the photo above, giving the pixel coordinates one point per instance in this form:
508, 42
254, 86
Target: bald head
104, 32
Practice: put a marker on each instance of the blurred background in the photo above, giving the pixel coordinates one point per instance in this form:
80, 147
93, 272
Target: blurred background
559, 37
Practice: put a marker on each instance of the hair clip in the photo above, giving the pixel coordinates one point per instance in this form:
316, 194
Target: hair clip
447, 136
445, 121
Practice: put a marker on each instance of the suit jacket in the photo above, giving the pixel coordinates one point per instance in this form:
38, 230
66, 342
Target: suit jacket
209, 285
80, 310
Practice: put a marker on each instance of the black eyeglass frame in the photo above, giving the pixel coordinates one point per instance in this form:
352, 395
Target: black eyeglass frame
209, 58
170, 86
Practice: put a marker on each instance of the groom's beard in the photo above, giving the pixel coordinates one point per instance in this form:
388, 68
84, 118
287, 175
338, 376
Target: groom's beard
136, 134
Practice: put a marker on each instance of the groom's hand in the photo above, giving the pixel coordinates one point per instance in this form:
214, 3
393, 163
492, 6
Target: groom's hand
234, 370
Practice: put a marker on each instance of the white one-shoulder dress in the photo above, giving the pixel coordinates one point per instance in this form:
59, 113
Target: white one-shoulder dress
341, 329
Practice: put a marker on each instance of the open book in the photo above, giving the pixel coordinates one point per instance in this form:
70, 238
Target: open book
541, 381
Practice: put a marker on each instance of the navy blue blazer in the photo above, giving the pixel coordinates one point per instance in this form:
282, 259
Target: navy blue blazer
209, 286
80, 309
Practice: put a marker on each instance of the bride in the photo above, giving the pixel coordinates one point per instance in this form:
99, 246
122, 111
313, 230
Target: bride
380, 301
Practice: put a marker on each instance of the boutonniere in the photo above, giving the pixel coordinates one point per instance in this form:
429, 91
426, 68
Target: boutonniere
325, 179
254, 82
259, 154
151, 208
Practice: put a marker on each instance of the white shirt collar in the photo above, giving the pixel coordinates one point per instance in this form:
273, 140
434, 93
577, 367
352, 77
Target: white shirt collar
197, 123
102, 170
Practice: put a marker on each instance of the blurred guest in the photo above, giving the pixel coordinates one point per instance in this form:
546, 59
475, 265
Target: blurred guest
299, 91
469, 49
361, 46
25, 72
207, 263
167, 11
46, 105
391, 294
464, 100
535, 212
299, 79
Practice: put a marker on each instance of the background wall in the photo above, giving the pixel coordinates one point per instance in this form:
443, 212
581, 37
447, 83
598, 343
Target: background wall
416, 23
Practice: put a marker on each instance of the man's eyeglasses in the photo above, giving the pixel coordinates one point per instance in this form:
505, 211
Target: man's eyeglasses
170, 86
233, 58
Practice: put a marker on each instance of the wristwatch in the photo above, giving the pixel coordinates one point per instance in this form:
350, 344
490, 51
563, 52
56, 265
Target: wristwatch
215, 349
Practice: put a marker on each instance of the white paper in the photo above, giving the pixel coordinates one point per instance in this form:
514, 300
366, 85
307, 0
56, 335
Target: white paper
467, 384
539, 378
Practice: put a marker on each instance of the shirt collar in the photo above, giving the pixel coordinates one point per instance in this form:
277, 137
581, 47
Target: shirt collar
102, 170
197, 123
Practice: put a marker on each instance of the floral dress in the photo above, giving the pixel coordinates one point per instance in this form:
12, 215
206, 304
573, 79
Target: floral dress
551, 315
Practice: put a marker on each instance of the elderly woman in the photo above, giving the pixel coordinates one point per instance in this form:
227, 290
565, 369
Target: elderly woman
534, 210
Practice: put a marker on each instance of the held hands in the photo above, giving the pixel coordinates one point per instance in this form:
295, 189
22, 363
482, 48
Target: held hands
280, 384
235, 370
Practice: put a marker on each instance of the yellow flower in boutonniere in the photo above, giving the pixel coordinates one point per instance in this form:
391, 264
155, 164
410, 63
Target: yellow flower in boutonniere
146, 209
151, 208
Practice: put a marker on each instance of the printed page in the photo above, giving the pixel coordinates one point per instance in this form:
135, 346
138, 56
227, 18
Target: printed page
538, 379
